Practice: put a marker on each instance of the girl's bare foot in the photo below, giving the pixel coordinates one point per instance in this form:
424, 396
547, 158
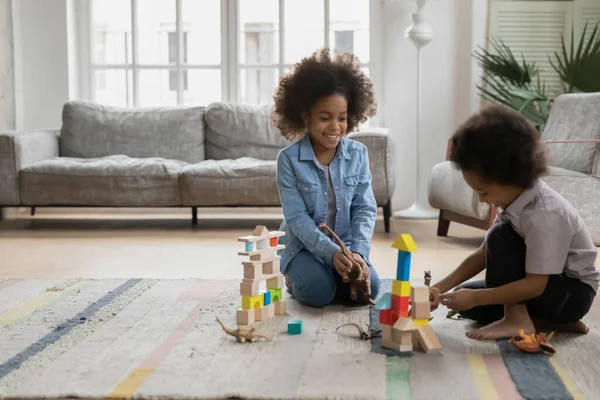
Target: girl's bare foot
575, 327
515, 318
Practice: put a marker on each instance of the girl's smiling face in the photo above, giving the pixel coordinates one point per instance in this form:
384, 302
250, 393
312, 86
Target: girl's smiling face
327, 121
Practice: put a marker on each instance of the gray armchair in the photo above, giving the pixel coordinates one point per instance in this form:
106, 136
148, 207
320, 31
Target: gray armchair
572, 138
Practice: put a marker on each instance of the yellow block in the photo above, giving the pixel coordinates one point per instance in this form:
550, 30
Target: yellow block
405, 242
401, 288
250, 302
421, 322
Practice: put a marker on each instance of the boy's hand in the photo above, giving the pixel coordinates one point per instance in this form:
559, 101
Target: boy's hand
460, 300
342, 264
434, 297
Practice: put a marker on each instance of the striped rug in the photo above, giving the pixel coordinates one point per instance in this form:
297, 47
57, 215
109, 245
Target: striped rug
147, 339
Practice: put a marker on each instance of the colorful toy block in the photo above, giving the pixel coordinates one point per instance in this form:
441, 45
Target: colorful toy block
405, 242
384, 302
403, 267
295, 327
385, 317
261, 247
401, 288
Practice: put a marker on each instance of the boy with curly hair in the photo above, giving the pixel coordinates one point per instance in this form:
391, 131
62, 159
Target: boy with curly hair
324, 177
539, 257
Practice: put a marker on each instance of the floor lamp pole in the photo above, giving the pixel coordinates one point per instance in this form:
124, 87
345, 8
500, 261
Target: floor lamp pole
419, 33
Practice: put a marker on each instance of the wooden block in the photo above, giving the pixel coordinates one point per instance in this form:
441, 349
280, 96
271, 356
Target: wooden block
428, 339
267, 255
403, 266
401, 288
250, 302
256, 252
276, 295
256, 238
405, 242
249, 288
263, 244
420, 310
265, 312
390, 344
406, 347
400, 304
280, 307
267, 297
419, 293
385, 317
386, 331
273, 241
295, 327
271, 267
402, 337
252, 271
421, 321
245, 317
276, 282
249, 246
260, 230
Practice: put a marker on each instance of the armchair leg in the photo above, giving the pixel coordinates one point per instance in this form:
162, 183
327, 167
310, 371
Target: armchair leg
32, 211
387, 213
443, 225
194, 215
1, 213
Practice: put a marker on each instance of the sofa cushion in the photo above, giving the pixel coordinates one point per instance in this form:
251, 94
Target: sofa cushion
114, 181
241, 182
574, 117
91, 130
449, 191
241, 130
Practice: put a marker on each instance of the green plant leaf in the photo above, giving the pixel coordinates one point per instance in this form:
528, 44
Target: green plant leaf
504, 64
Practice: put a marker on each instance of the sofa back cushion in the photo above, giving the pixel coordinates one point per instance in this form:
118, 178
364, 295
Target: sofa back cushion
239, 130
574, 117
91, 130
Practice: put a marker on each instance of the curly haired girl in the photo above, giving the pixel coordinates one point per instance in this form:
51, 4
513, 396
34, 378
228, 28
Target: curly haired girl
324, 177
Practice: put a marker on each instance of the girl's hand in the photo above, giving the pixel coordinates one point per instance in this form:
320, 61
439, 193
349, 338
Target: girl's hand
460, 300
364, 268
342, 264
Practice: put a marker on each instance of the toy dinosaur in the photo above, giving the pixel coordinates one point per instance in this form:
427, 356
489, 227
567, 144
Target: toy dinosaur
533, 343
428, 278
354, 274
244, 335
364, 335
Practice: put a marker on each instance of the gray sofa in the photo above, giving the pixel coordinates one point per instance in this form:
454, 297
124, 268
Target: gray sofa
572, 138
220, 155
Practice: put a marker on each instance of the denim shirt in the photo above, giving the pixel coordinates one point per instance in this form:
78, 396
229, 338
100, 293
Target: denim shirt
302, 186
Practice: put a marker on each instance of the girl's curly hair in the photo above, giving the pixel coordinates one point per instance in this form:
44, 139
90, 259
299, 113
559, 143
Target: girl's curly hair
317, 76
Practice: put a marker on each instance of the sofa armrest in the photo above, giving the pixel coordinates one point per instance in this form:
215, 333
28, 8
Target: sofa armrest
19, 150
381, 161
596, 166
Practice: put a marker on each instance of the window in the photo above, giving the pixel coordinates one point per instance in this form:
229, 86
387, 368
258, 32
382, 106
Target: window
192, 52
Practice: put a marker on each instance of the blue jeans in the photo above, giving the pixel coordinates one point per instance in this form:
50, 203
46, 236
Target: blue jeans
317, 285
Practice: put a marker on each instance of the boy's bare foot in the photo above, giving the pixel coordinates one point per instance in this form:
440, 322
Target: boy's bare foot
515, 318
575, 327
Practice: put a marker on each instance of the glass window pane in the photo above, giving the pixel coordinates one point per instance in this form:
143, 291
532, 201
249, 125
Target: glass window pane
156, 88
157, 39
203, 86
258, 84
202, 27
259, 32
113, 87
349, 27
304, 28
111, 32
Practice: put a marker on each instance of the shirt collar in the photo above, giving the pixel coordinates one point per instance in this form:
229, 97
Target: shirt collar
307, 153
526, 197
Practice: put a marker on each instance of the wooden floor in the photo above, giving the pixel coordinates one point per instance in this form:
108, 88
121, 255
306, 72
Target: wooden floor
139, 243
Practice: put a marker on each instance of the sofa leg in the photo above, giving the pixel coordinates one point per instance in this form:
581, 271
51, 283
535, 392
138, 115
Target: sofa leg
194, 215
387, 214
32, 211
443, 225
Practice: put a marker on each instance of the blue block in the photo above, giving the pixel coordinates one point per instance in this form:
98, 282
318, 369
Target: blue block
295, 327
384, 302
403, 267
249, 246
267, 298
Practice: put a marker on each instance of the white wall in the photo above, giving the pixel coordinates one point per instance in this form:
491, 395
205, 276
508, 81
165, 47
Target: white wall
448, 72
7, 77
448, 76
41, 62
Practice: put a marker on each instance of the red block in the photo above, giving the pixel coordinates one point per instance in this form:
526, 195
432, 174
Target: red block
273, 241
385, 317
400, 304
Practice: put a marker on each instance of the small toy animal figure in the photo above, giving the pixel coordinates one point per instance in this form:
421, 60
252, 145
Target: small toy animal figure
364, 335
428, 278
244, 335
364, 284
533, 343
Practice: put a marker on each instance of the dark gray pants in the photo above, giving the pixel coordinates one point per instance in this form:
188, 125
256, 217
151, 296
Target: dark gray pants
565, 299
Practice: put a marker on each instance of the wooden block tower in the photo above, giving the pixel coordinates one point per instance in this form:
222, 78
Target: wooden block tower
263, 265
404, 313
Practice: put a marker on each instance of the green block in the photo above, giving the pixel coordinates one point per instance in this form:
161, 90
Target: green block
295, 327
275, 295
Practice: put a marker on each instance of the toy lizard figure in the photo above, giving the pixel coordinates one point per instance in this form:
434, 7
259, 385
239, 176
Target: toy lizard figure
353, 275
364, 335
428, 278
244, 335
533, 343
